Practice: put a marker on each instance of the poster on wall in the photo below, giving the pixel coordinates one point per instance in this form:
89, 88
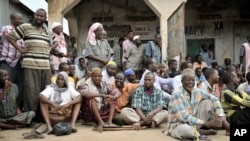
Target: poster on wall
142, 31
117, 31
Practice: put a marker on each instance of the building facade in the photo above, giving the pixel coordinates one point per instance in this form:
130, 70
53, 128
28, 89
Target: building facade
184, 24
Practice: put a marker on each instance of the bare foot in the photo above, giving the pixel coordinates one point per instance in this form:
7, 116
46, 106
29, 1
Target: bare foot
110, 124
49, 130
227, 132
136, 126
207, 132
99, 128
153, 124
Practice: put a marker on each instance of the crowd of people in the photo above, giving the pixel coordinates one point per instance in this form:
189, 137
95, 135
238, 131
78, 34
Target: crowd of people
42, 80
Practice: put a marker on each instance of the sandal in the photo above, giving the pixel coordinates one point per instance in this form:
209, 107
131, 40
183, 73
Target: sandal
34, 135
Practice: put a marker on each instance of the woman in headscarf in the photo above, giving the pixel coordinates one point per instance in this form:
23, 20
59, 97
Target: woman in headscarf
60, 102
97, 51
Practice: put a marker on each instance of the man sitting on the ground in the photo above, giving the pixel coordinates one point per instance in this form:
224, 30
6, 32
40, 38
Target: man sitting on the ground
99, 99
190, 108
123, 101
147, 105
60, 102
11, 116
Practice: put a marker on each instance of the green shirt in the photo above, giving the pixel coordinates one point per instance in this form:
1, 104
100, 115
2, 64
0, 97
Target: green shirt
8, 103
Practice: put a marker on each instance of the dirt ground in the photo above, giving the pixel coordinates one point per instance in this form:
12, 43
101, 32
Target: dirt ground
85, 133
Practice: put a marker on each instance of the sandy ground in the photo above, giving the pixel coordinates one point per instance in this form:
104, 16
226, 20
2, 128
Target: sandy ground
85, 133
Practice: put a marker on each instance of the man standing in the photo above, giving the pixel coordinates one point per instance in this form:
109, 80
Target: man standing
36, 57
245, 55
10, 57
134, 56
72, 49
206, 55
153, 49
125, 45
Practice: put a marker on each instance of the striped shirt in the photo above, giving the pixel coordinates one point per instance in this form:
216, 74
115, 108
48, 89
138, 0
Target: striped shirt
233, 100
38, 41
8, 52
183, 107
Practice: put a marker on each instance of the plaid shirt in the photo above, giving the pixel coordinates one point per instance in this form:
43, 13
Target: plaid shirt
147, 103
8, 52
102, 50
117, 54
183, 108
126, 91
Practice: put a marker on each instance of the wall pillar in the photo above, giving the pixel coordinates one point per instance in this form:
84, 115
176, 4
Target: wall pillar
164, 9
58, 8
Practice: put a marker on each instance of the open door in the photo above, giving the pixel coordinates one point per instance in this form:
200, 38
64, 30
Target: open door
194, 46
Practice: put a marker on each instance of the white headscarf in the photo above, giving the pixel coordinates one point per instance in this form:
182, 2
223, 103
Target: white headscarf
55, 24
57, 90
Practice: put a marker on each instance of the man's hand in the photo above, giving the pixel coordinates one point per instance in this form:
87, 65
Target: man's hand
7, 86
217, 123
105, 62
24, 50
65, 106
150, 115
56, 106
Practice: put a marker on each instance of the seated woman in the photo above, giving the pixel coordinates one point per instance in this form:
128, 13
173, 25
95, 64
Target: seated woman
99, 99
60, 102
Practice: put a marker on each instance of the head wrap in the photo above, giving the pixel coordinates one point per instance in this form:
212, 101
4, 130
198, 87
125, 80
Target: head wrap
91, 34
57, 98
55, 24
136, 37
65, 76
111, 63
128, 72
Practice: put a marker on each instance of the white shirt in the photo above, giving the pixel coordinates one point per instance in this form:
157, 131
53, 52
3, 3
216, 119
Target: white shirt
106, 78
66, 96
79, 73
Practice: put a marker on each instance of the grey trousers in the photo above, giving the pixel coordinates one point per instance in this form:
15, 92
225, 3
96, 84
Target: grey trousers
24, 118
130, 116
205, 113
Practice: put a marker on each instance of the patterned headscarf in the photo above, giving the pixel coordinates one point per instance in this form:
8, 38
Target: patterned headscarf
91, 34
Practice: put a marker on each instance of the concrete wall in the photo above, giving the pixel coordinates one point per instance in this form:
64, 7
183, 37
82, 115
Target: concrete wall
224, 39
94, 9
7, 8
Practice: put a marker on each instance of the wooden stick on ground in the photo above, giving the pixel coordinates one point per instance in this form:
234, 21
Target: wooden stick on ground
118, 128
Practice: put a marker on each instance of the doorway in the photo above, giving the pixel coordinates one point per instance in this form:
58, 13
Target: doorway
194, 46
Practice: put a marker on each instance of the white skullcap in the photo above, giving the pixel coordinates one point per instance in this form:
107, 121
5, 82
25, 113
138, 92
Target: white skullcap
55, 24
136, 37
